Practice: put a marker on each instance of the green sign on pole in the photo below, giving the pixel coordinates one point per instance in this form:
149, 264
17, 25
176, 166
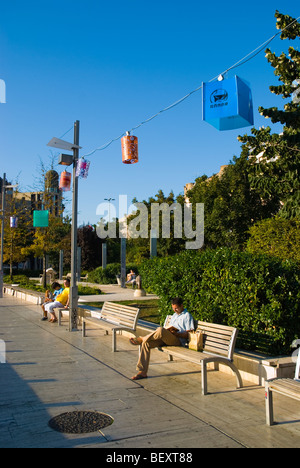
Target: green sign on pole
41, 219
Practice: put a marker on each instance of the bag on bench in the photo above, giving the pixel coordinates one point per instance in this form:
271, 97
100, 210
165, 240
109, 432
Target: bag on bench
196, 340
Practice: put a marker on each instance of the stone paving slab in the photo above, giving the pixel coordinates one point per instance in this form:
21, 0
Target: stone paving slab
49, 371
113, 292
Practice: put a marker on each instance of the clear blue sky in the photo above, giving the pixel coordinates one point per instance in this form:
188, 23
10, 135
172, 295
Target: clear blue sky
112, 64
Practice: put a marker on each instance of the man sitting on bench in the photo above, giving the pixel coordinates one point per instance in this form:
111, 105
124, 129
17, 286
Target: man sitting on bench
61, 301
176, 334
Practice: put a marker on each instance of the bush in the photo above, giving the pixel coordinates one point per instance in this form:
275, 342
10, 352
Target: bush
25, 283
258, 294
108, 275
22, 280
88, 291
276, 236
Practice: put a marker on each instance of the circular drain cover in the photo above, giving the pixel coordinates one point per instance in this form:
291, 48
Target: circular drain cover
80, 422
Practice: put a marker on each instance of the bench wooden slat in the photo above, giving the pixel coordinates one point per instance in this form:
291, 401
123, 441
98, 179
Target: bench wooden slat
119, 307
218, 347
227, 330
211, 340
118, 313
183, 353
117, 317
217, 350
99, 323
285, 386
114, 317
216, 335
120, 321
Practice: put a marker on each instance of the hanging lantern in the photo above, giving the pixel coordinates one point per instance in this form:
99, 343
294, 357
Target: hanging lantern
13, 222
65, 181
41, 218
227, 104
129, 149
82, 169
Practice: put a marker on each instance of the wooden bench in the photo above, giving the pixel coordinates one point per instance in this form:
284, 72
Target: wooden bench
60, 313
81, 309
114, 318
286, 387
218, 348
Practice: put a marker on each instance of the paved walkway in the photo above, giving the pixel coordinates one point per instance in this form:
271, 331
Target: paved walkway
113, 292
49, 371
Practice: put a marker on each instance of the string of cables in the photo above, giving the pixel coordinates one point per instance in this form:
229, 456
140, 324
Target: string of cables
241, 62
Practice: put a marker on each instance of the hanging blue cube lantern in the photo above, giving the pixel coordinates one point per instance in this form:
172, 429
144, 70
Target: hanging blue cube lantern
227, 104
41, 219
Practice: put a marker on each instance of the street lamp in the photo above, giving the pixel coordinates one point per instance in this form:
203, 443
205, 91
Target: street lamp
4, 187
61, 144
104, 245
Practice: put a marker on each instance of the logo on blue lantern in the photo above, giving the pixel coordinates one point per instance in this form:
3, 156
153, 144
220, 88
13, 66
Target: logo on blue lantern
219, 95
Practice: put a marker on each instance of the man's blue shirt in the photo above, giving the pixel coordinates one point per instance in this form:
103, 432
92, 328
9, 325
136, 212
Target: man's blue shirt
183, 322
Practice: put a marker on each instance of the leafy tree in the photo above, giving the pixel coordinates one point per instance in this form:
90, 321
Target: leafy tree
50, 240
16, 239
139, 249
276, 236
90, 247
231, 206
275, 158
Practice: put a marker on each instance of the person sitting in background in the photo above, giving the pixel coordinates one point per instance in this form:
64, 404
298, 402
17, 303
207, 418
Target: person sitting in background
131, 277
61, 302
56, 287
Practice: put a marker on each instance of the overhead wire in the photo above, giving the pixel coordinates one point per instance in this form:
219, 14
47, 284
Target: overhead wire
241, 62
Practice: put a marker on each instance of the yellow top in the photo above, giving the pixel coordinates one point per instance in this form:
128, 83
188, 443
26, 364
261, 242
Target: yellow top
63, 297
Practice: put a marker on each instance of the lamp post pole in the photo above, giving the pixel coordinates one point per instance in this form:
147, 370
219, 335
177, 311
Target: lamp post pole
73, 316
2, 236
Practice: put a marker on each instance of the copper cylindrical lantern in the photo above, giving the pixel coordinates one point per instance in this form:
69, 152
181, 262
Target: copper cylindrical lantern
130, 153
65, 181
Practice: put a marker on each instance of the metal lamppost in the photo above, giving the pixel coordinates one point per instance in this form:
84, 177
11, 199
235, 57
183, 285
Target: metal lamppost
4, 187
68, 160
104, 245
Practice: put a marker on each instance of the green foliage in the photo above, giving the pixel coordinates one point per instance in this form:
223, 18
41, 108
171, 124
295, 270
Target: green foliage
108, 275
24, 282
90, 245
231, 206
138, 249
276, 236
257, 294
276, 157
88, 291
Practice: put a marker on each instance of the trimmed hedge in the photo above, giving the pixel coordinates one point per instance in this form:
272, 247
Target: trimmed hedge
108, 275
258, 294
25, 283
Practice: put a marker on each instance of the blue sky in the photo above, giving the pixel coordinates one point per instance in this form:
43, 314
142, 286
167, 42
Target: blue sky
111, 65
